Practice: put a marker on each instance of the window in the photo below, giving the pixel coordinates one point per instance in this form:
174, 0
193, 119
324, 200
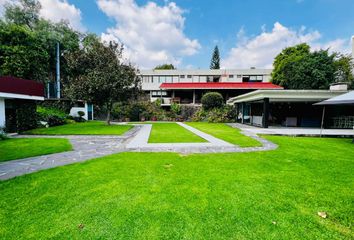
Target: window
169, 79
182, 76
175, 79
260, 78
155, 79
189, 76
158, 93
253, 78
245, 78
162, 79
203, 79
231, 76
195, 78
239, 76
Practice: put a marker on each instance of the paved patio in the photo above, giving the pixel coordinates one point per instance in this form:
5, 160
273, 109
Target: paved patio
294, 131
135, 140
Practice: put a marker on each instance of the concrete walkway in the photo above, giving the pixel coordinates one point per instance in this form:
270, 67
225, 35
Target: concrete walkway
85, 147
139, 143
135, 140
295, 131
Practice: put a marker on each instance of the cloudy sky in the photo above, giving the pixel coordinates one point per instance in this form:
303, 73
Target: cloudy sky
184, 32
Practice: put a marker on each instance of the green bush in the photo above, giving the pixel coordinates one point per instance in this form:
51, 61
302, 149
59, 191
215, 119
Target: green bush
212, 100
54, 117
187, 112
2, 134
175, 109
215, 115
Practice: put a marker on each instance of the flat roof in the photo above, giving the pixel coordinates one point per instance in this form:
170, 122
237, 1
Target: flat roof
13, 86
207, 72
286, 96
221, 85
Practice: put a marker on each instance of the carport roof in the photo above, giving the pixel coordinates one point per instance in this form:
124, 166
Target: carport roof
347, 98
285, 96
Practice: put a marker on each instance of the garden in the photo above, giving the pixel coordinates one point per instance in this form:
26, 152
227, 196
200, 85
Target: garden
275, 194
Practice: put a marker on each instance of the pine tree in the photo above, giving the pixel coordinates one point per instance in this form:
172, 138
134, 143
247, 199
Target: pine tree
215, 60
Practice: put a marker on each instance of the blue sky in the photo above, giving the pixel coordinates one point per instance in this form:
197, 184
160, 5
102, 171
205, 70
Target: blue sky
184, 32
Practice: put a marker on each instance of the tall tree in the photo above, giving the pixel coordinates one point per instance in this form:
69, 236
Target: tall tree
165, 67
24, 13
215, 59
28, 43
298, 68
99, 75
22, 53
344, 65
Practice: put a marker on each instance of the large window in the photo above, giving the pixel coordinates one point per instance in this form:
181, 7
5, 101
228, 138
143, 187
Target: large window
155, 79
252, 78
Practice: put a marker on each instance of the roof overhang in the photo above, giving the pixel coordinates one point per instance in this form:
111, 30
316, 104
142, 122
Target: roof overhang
20, 96
21, 88
343, 99
220, 85
285, 96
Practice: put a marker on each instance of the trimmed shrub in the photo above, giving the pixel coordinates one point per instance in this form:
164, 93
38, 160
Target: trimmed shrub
54, 117
212, 100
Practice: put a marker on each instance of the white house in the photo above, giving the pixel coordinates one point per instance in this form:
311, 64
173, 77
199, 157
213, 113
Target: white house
188, 86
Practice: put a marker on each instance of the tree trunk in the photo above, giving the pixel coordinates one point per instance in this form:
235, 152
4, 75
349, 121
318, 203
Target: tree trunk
109, 110
108, 119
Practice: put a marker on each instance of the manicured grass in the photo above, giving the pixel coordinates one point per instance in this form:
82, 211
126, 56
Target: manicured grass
11, 149
86, 128
226, 133
258, 195
172, 133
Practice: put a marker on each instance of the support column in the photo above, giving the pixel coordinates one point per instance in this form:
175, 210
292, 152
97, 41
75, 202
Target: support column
193, 96
265, 113
2, 113
243, 112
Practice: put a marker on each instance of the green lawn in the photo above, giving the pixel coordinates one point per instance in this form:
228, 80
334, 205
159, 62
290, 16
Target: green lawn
260, 195
11, 149
172, 133
226, 133
86, 128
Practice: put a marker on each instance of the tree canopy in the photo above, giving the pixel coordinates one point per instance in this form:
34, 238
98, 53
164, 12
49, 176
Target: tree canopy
98, 74
28, 43
215, 59
298, 68
165, 67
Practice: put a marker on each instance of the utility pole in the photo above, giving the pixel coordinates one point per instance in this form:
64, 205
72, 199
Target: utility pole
58, 70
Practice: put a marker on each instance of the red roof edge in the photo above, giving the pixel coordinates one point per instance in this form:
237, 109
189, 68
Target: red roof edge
9, 84
221, 85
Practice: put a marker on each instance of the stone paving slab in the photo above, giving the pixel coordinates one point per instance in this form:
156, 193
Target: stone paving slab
135, 140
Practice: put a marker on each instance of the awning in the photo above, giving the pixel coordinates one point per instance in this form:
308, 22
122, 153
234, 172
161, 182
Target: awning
285, 96
347, 98
220, 85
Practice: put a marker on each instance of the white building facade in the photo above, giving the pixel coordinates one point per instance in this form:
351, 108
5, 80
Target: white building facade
187, 86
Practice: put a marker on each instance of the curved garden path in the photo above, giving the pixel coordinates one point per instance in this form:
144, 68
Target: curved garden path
135, 140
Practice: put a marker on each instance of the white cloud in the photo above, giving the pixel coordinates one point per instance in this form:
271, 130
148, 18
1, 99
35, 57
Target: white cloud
152, 34
260, 50
55, 11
